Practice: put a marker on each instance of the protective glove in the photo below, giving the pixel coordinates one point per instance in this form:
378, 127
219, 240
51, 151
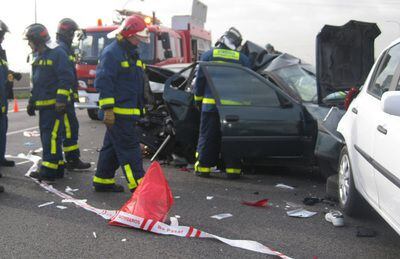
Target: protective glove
109, 117
61, 108
30, 109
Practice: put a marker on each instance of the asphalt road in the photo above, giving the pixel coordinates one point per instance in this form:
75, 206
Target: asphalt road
27, 231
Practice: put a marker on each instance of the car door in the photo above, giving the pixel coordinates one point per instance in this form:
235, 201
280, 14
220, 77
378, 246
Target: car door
366, 111
258, 121
386, 153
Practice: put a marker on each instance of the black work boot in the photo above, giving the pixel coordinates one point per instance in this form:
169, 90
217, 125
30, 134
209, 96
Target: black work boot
77, 164
36, 175
1, 189
109, 188
7, 163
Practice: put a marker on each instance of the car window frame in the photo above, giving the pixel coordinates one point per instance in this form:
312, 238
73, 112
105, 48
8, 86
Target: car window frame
280, 94
396, 74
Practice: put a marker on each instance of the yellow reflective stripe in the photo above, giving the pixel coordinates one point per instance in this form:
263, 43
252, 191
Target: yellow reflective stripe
144, 111
71, 148
61, 162
3, 109
139, 63
63, 92
198, 98
67, 127
76, 96
225, 53
126, 111
201, 169
132, 184
50, 165
45, 62
196, 155
208, 100
233, 170
103, 180
124, 64
53, 149
71, 58
106, 101
45, 102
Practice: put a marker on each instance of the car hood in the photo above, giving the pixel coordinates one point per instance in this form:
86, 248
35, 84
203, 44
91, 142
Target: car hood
344, 56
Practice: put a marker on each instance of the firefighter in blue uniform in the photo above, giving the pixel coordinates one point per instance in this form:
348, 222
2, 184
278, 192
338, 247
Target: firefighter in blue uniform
52, 78
3, 101
208, 148
120, 81
65, 34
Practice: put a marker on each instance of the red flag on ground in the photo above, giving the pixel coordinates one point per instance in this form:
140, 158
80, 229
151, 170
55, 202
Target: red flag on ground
152, 199
260, 203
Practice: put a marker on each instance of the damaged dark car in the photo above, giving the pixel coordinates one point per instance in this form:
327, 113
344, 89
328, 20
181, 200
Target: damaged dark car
284, 112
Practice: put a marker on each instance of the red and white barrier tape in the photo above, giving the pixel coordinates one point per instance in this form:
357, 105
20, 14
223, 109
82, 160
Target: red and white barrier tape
148, 224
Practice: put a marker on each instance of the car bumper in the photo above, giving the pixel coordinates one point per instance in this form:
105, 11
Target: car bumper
87, 100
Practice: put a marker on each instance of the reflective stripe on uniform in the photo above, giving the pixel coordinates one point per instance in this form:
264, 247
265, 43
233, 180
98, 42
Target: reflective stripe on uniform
106, 101
196, 155
124, 64
45, 62
71, 58
67, 127
132, 184
103, 180
50, 165
201, 169
230, 102
198, 98
63, 92
233, 170
126, 111
53, 149
3, 109
225, 53
45, 102
208, 101
61, 162
3, 62
70, 148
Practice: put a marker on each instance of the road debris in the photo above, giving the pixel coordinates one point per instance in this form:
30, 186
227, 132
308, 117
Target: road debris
61, 207
210, 197
174, 221
300, 213
46, 204
335, 217
123, 240
29, 144
310, 201
94, 234
33, 133
284, 186
222, 216
70, 191
260, 203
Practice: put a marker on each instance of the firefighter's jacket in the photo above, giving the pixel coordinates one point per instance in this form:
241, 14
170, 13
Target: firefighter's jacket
72, 62
120, 80
202, 91
52, 78
3, 79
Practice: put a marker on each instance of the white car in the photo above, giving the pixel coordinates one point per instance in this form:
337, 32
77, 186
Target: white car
369, 163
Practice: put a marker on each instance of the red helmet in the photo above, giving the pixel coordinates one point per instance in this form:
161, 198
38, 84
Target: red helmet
134, 26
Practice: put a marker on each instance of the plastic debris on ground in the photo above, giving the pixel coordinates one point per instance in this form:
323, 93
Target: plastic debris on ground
210, 197
177, 197
33, 133
222, 216
260, 203
36, 151
365, 232
70, 191
46, 204
300, 213
61, 207
284, 186
123, 240
94, 235
29, 144
174, 221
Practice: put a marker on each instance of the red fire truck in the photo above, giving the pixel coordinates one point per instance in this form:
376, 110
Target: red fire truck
184, 43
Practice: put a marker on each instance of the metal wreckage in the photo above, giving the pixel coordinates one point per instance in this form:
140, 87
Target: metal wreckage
284, 112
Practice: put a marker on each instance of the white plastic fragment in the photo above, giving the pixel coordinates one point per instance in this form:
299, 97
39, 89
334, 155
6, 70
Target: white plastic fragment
177, 197
210, 197
174, 221
94, 234
284, 186
222, 216
33, 133
123, 240
177, 216
301, 213
70, 191
46, 204
61, 207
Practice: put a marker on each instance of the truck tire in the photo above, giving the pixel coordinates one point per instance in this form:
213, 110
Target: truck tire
349, 198
93, 114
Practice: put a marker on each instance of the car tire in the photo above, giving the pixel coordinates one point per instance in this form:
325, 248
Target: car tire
349, 198
93, 114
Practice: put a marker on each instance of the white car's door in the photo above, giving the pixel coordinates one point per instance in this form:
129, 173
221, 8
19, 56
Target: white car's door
386, 157
368, 115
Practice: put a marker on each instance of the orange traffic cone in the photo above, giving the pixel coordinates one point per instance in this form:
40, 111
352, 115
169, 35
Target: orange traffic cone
16, 109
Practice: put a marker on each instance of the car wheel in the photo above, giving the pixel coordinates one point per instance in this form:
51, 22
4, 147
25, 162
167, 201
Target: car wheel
349, 198
93, 114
